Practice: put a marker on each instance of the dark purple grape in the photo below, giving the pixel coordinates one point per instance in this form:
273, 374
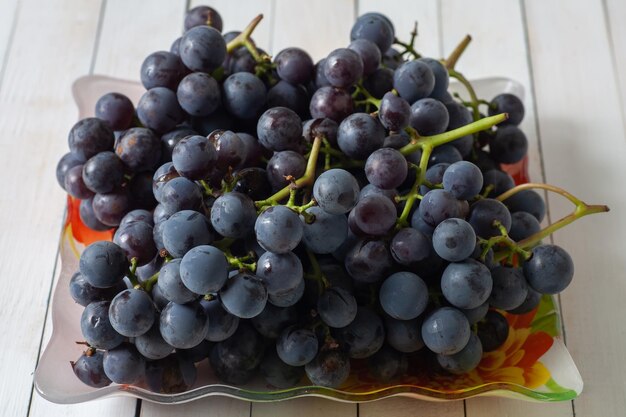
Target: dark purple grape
493, 331
294, 65
364, 336
394, 112
140, 190
441, 78
460, 116
230, 149
463, 179
523, 225
414, 80
484, 213
244, 95
203, 15
244, 295
89, 369
379, 83
170, 375
409, 246
171, 286
158, 109
132, 312
324, 128
194, 157
533, 298
202, 49
359, 135
294, 97
103, 172
280, 129
343, 68
184, 326
429, 117
509, 288
368, 52
222, 324
388, 364
509, 145
392, 59
283, 164
117, 110
368, 261
67, 161
219, 119
528, 201
96, 328
550, 269
88, 216
139, 149
403, 295
90, 136
185, 230
162, 69
386, 168
374, 27
136, 239
233, 215
123, 364
444, 154
510, 104
319, 79
500, 181
253, 182
374, 215
175, 47
110, 208
170, 139
330, 102
84, 293
404, 335
75, 185
438, 205
199, 94
270, 322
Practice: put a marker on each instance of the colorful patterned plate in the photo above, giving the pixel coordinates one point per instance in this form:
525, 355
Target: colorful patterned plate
533, 364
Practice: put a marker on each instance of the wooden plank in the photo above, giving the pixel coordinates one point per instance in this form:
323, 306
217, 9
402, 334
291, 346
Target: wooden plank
584, 147
404, 14
304, 407
237, 14
30, 222
212, 406
131, 30
8, 11
615, 15
317, 27
398, 407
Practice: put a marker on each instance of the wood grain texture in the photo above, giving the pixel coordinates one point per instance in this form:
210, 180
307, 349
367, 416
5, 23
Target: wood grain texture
584, 147
614, 18
317, 27
131, 30
400, 407
212, 406
36, 86
304, 407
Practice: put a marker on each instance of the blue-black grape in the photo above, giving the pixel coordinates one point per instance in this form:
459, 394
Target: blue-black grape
465, 360
446, 331
90, 370
132, 312
474, 315
460, 116
374, 215
162, 69
492, 331
533, 298
282, 275
294, 65
509, 288
330, 368
343, 67
528, 201
442, 78
326, 233
244, 295
466, 284
278, 229
392, 59
253, 182
180, 194
294, 97
386, 168
403, 295
243, 95
194, 157
270, 322
483, 215
199, 94
67, 161
219, 119
332, 103
185, 230
158, 109
75, 185
184, 325
437, 206
409, 246
549, 270
103, 264
138, 215
222, 324
171, 285
368, 261
444, 154
509, 145
161, 176
202, 49
235, 359
203, 15
90, 136
359, 135
371, 189
116, 109
283, 164
499, 181
414, 80
364, 336
136, 239
110, 208
123, 364
88, 216
510, 104
96, 327
337, 307
279, 129
429, 117
369, 53
277, 373
336, 191
84, 293
170, 139
404, 335
139, 149
325, 128
170, 375
523, 225
454, 239
379, 82
233, 215
296, 346
374, 27
152, 345
204, 269
463, 179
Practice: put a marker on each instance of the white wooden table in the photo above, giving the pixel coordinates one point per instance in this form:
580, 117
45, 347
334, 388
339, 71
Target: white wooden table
570, 56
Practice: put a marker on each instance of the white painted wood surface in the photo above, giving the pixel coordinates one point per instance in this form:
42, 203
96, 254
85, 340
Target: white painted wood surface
571, 59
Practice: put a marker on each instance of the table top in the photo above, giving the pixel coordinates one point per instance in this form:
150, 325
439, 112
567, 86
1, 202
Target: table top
571, 58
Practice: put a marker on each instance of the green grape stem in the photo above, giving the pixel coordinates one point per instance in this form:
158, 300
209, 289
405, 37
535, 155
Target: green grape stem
450, 63
474, 100
243, 39
132, 277
306, 179
581, 209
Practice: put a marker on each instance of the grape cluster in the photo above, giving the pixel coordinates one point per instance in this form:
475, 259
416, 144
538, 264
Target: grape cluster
285, 217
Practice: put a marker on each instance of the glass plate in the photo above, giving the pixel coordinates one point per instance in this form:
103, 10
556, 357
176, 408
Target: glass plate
533, 364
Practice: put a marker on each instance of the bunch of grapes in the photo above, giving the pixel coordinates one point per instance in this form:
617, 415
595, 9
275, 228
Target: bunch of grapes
281, 217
